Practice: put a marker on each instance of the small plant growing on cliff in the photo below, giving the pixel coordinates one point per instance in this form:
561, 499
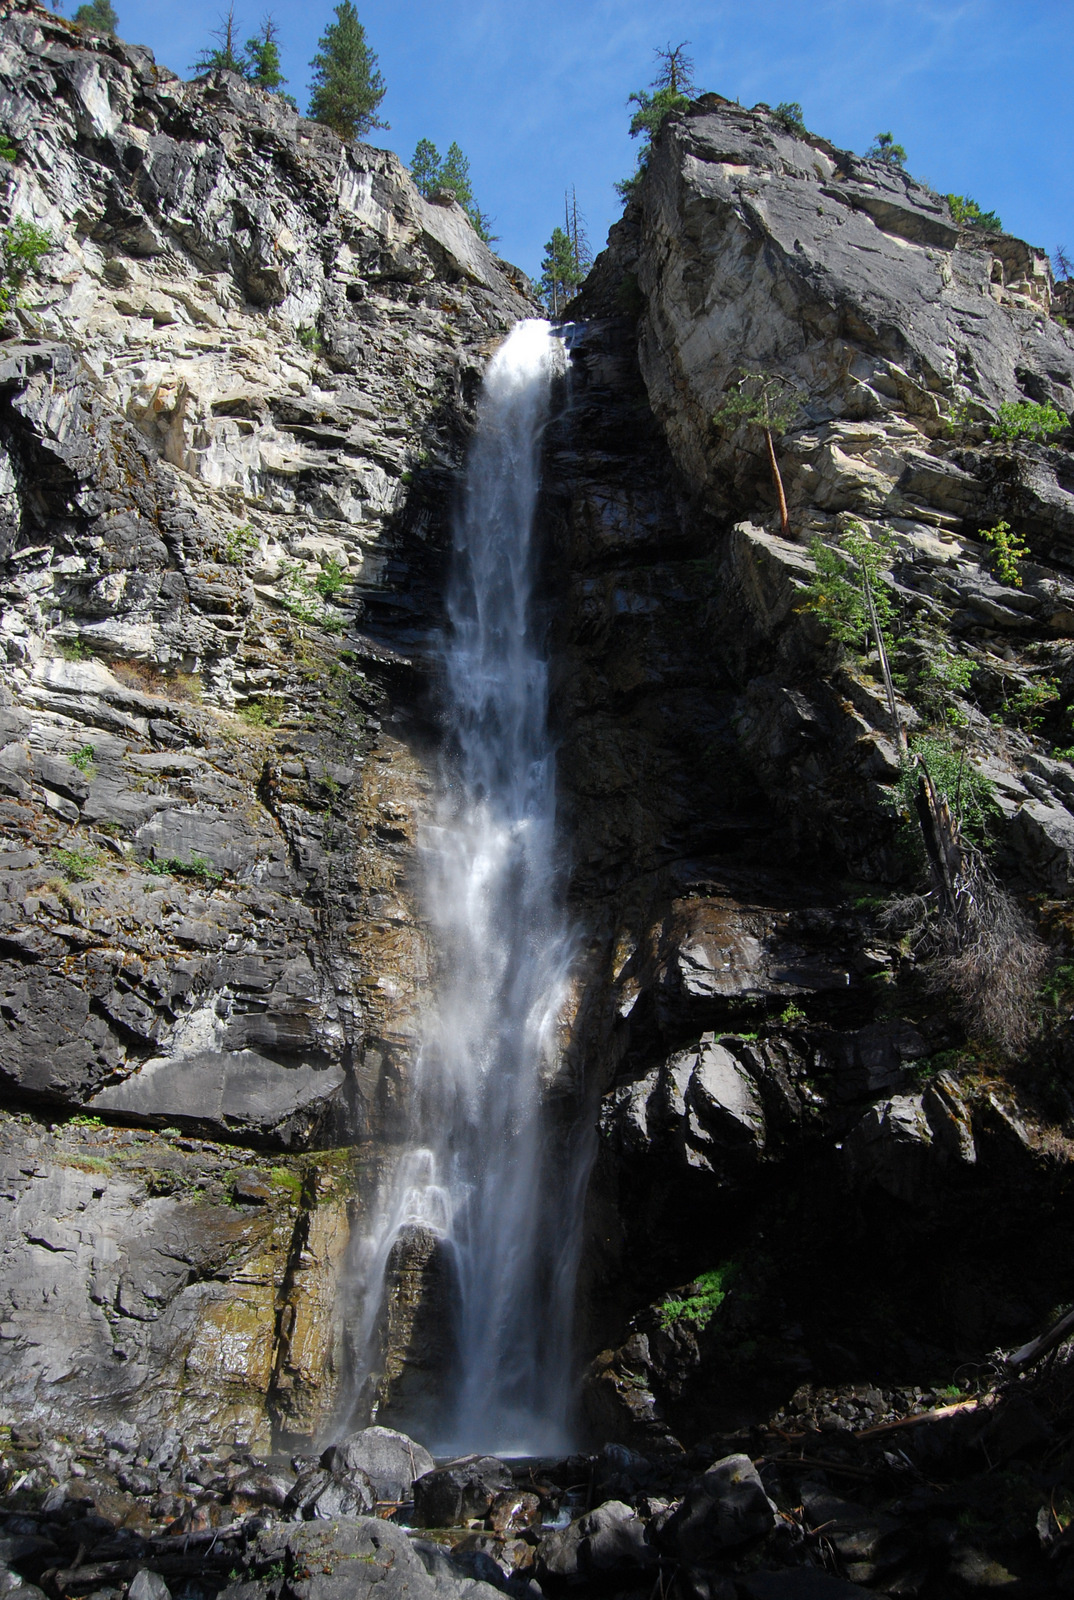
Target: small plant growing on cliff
79, 864
23, 247
858, 602
766, 401
789, 114
240, 543
310, 339
8, 151
1008, 549
710, 1292
175, 867
966, 213
884, 148
970, 796
301, 598
1027, 708
82, 758
331, 578
1024, 419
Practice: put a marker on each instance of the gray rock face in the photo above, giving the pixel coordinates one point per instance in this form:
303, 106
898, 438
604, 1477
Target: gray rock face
868, 296
248, 358
390, 1459
228, 1093
727, 1508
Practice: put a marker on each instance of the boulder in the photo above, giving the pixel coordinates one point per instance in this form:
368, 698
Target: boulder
389, 1459
459, 1491
324, 1495
610, 1539
892, 1145
345, 1559
727, 1507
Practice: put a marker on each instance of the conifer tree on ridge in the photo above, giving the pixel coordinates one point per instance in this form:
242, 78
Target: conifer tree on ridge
347, 85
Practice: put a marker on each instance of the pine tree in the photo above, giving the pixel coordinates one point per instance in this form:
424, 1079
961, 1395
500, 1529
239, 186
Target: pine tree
574, 224
669, 91
425, 167
884, 148
560, 275
430, 174
263, 60
227, 57
347, 85
100, 17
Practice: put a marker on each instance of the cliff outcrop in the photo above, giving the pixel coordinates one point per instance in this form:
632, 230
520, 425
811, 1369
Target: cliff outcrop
781, 1091
232, 400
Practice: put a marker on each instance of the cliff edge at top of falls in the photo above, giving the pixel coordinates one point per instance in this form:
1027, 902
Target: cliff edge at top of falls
234, 398
752, 248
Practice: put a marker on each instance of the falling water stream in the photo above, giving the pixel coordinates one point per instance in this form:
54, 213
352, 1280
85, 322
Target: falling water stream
481, 1169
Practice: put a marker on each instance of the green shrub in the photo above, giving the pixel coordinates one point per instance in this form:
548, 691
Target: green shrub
969, 794
23, 246
176, 867
1026, 708
331, 578
710, 1291
79, 864
966, 213
310, 339
263, 713
789, 113
1008, 549
239, 543
837, 593
7, 149
301, 598
938, 679
1024, 419
82, 758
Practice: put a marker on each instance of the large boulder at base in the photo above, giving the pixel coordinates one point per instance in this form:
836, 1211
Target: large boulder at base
727, 1507
324, 1496
389, 1459
611, 1539
337, 1560
459, 1491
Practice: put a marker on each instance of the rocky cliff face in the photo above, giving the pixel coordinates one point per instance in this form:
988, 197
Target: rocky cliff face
781, 1096
231, 406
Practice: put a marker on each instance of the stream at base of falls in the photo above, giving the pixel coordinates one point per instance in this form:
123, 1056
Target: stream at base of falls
484, 1171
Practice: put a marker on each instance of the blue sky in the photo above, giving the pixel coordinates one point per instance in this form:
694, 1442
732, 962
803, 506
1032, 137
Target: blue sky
978, 91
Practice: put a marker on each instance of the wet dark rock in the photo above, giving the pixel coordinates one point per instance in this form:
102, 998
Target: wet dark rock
391, 1460
612, 1539
514, 1510
726, 1508
459, 1490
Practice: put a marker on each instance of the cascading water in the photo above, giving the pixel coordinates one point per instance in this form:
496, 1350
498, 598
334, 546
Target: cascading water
476, 1172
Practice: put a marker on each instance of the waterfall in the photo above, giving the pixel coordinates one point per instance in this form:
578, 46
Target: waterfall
482, 1171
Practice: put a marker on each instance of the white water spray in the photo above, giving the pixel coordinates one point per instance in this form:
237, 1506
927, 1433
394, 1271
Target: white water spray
480, 1171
